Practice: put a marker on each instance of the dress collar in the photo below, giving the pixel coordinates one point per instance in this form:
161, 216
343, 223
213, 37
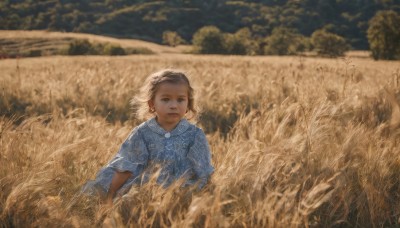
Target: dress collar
182, 126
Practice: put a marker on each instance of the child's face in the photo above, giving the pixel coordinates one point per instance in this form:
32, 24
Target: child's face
170, 104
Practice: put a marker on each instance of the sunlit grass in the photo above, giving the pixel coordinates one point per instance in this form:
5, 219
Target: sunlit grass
296, 141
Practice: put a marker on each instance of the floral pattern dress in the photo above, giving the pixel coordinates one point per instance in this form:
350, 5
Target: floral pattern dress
181, 153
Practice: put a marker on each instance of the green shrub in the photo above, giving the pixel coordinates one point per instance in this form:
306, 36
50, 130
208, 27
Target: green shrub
240, 43
329, 44
209, 40
113, 49
138, 50
35, 53
284, 41
384, 35
172, 38
84, 47
81, 47
234, 45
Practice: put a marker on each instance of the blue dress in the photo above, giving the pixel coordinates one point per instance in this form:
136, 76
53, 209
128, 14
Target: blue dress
181, 153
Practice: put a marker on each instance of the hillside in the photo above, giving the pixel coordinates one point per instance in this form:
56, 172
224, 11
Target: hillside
13, 42
147, 20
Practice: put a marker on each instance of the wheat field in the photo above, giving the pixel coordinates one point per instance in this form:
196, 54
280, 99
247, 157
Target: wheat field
296, 142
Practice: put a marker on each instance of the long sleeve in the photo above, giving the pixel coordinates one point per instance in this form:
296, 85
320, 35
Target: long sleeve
200, 158
132, 155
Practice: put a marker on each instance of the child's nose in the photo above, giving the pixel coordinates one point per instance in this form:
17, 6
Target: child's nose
173, 104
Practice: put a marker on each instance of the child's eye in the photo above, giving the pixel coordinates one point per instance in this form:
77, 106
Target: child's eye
181, 100
165, 99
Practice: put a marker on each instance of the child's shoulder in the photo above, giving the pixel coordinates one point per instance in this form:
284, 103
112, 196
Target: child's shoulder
138, 130
194, 130
191, 127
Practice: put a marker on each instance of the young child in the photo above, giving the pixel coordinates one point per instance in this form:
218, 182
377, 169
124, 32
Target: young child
167, 141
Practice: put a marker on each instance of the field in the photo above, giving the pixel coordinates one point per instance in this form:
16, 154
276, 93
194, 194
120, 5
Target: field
44, 43
296, 141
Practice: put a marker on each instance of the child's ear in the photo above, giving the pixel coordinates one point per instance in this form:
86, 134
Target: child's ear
151, 104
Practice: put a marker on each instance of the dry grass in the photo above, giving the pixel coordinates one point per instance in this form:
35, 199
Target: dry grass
65, 36
297, 142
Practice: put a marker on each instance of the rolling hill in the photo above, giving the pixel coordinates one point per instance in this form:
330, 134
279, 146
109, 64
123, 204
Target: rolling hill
34, 43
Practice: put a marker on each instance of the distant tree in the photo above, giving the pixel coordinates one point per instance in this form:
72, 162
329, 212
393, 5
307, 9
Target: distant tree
240, 43
113, 49
152, 18
384, 35
209, 40
172, 38
56, 21
329, 44
81, 47
284, 41
13, 22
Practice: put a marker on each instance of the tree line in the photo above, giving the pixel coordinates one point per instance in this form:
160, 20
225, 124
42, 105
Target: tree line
383, 36
175, 21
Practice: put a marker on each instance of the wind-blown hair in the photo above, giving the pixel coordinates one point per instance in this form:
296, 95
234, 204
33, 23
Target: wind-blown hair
150, 87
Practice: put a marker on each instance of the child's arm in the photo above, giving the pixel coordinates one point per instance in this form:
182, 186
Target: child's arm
130, 160
200, 156
117, 181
